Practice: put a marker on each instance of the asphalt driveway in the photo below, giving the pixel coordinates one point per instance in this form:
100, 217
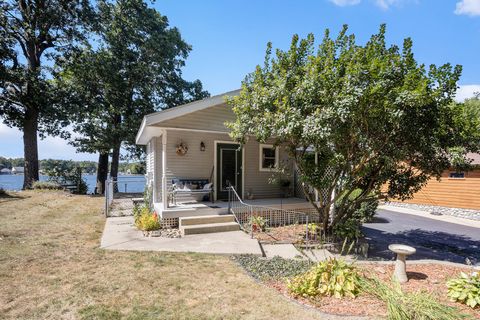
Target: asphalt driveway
433, 239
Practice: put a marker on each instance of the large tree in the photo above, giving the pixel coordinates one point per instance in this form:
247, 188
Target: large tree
32, 32
134, 69
380, 123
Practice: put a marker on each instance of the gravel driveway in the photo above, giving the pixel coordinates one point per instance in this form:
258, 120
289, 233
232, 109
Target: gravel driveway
433, 239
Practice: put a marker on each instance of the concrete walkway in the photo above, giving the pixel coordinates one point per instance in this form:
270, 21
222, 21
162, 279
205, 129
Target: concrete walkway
120, 234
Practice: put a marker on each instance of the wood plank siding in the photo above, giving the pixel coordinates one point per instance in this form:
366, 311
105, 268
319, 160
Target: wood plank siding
449, 192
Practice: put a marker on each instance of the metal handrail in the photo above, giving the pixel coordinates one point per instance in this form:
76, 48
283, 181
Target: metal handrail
275, 217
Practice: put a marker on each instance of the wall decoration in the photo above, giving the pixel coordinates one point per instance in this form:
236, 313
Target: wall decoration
181, 149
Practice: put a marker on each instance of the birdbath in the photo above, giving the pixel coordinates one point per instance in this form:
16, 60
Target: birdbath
402, 252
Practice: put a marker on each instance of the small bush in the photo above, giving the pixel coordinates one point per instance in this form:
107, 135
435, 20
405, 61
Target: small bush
46, 185
258, 223
409, 305
465, 289
333, 277
148, 221
2, 192
272, 269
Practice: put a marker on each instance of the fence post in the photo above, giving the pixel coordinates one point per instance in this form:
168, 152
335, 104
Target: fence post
251, 225
106, 198
306, 233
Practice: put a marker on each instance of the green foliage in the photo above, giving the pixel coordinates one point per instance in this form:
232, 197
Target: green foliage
65, 175
276, 268
332, 277
31, 34
46, 185
148, 221
258, 223
355, 106
409, 305
465, 289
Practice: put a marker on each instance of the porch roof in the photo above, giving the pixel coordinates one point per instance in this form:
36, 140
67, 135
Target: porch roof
150, 124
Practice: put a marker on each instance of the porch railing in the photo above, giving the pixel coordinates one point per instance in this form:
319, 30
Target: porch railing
274, 217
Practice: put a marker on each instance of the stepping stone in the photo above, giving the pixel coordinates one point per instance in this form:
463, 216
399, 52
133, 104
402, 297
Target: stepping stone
286, 251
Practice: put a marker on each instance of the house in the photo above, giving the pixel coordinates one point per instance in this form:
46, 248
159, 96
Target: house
5, 171
18, 170
455, 189
188, 147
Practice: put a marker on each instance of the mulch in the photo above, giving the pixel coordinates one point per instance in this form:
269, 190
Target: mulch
294, 233
422, 277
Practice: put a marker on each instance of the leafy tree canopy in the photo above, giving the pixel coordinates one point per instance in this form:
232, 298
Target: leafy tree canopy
133, 69
380, 122
31, 33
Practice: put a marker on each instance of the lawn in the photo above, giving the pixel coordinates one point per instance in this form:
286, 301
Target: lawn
51, 267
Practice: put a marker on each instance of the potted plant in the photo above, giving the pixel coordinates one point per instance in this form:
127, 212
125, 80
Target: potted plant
258, 223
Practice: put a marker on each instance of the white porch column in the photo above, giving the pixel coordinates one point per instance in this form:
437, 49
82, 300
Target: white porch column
164, 171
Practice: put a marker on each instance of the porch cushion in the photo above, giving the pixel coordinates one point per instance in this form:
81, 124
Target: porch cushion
207, 186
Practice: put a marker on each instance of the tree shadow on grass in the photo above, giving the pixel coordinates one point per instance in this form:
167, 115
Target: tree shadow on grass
429, 244
5, 197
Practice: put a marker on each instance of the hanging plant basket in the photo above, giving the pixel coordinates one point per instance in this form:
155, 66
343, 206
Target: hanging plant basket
181, 149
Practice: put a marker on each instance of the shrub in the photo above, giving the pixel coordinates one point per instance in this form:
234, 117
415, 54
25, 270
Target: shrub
272, 269
333, 277
465, 289
148, 221
46, 185
2, 192
409, 305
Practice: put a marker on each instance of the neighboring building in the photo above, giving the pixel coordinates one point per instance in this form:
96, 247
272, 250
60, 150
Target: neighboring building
455, 189
18, 170
189, 147
5, 171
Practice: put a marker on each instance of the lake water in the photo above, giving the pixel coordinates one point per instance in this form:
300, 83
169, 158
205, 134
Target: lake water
130, 183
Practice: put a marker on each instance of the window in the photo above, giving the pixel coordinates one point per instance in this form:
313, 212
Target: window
268, 157
457, 175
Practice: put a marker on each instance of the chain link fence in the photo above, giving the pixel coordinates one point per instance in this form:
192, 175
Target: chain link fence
121, 194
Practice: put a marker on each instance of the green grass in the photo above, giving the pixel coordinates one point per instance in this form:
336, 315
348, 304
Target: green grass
51, 267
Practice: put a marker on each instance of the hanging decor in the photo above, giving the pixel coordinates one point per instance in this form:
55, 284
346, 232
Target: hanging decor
202, 146
181, 149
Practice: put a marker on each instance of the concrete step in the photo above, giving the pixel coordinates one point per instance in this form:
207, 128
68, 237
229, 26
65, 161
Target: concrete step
209, 228
189, 221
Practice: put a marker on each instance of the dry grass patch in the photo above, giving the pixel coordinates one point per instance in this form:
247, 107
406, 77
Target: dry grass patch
51, 267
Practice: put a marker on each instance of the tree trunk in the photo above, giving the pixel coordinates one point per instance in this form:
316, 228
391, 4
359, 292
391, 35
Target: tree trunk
102, 172
30, 148
114, 166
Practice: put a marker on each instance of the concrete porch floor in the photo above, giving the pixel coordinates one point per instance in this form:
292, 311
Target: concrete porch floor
120, 234
194, 208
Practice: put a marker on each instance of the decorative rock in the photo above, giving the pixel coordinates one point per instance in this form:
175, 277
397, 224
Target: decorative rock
402, 252
438, 210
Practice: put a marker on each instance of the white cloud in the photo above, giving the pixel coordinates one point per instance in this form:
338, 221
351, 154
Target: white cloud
467, 91
344, 3
468, 7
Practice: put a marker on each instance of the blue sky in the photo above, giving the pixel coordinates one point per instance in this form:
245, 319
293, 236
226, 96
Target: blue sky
229, 39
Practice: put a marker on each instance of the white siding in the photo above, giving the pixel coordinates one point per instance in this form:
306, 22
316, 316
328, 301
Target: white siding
212, 119
196, 164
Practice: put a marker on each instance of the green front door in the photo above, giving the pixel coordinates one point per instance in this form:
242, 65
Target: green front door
229, 169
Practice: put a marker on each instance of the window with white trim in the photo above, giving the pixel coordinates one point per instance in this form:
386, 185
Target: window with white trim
268, 157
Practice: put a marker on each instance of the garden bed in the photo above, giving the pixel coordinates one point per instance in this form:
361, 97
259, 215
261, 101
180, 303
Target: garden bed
294, 233
430, 278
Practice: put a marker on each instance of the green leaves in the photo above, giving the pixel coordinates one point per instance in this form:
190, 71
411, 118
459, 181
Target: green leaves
333, 277
465, 289
374, 116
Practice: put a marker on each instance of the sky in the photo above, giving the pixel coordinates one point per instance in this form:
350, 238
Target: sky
229, 38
